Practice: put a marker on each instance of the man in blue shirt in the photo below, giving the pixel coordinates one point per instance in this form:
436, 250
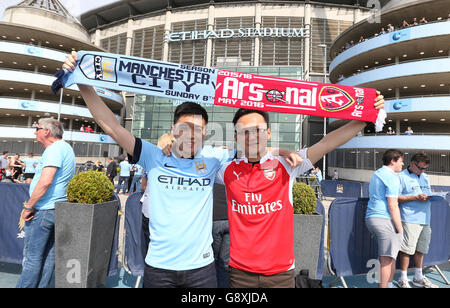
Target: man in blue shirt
124, 176
180, 202
415, 209
138, 172
383, 215
180, 192
53, 173
30, 167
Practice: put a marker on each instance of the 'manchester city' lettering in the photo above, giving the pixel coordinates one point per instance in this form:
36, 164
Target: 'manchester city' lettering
168, 73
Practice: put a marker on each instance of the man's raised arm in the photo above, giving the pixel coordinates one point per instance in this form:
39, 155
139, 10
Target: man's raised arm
102, 114
339, 136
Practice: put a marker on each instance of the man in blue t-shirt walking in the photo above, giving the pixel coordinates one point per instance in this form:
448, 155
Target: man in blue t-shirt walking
383, 215
30, 167
415, 209
124, 176
53, 173
137, 177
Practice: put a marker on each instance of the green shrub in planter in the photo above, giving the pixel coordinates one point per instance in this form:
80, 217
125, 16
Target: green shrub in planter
304, 199
90, 187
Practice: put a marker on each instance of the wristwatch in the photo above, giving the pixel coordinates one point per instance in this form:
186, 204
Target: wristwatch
27, 208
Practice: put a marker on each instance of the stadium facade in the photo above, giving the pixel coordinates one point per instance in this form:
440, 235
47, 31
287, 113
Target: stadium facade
410, 65
35, 38
276, 38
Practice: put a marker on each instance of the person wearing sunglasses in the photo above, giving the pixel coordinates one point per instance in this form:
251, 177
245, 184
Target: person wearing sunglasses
49, 185
415, 210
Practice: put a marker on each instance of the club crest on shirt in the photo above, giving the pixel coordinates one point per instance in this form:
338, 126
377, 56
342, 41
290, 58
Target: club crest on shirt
200, 166
269, 174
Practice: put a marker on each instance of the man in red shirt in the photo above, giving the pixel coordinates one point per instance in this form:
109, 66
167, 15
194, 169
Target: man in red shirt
259, 196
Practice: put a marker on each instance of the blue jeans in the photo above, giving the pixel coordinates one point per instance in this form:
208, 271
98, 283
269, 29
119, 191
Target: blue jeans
204, 277
38, 264
221, 249
136, 180
123, 184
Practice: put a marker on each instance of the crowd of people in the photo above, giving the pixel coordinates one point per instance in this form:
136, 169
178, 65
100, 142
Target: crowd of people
130, 175
389, 28
87, 129
17, 170
409, 131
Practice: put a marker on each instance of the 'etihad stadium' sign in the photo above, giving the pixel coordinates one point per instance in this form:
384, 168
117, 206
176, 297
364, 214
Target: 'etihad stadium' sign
239, 33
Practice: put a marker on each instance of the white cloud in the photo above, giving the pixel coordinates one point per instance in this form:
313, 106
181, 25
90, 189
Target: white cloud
75, 7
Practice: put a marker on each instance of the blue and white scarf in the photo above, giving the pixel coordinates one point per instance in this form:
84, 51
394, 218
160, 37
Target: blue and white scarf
143, 76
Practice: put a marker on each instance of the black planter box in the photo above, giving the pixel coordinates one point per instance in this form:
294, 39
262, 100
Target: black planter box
84, 236
307, 233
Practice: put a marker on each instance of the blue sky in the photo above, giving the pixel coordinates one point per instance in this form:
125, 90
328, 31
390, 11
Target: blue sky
75, 7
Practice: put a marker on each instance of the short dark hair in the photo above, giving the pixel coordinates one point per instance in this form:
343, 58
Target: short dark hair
189, 108
421, 157
390, 155
242, 112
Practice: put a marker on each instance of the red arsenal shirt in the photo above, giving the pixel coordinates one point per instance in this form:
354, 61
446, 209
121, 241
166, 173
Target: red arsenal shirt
260, 212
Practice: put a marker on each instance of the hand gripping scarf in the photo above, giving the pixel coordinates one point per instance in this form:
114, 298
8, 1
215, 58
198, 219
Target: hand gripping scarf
220, 87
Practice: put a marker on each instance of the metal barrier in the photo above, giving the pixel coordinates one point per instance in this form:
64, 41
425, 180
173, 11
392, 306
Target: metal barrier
352, 245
